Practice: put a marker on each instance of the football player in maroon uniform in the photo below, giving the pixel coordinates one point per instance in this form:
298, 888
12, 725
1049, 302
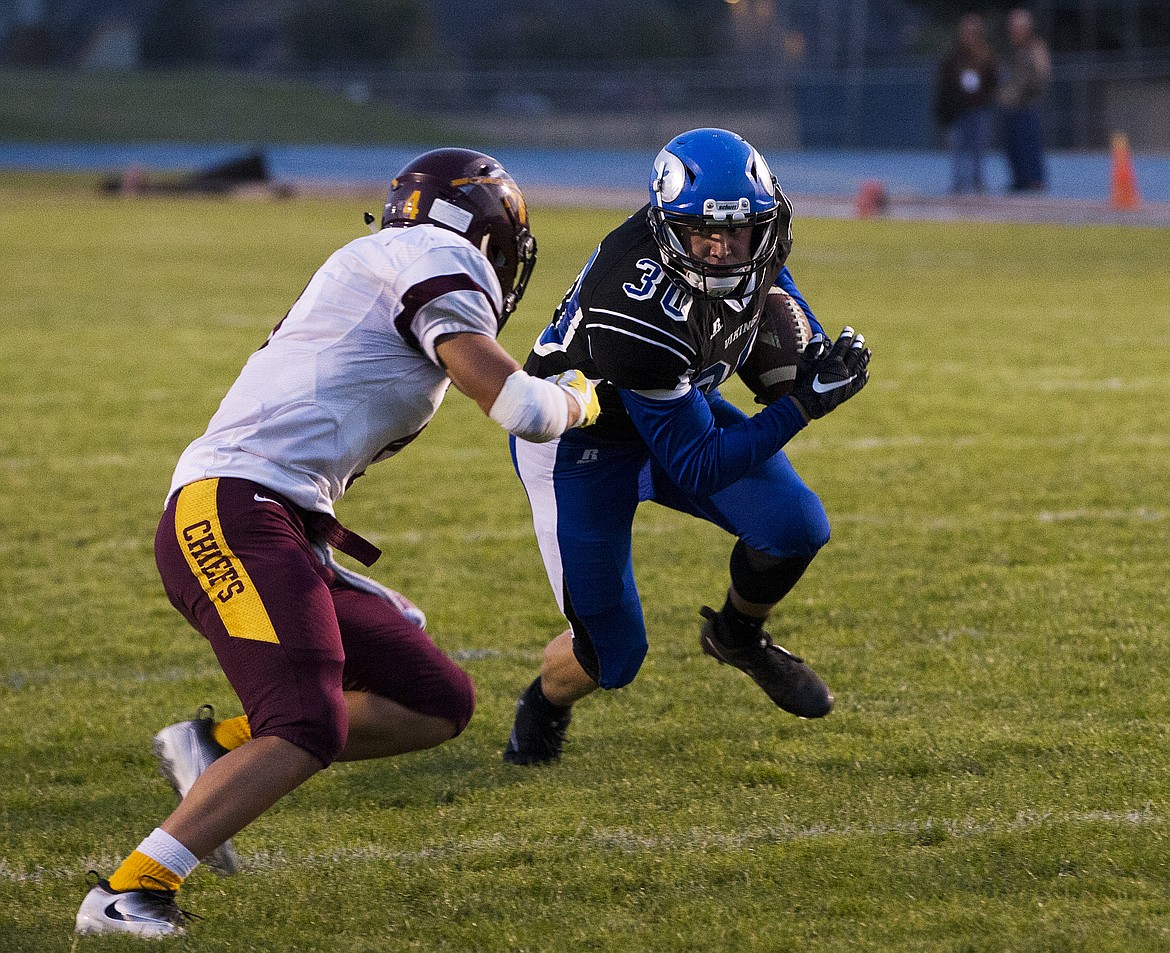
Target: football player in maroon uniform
328, 664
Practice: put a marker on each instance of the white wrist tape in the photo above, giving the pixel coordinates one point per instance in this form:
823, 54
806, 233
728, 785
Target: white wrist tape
530, 408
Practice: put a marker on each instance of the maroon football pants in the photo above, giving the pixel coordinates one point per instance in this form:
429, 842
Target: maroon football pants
291, 637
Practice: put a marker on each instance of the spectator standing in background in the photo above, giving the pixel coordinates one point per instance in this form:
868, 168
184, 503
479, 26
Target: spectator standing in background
964, 95
1027, 75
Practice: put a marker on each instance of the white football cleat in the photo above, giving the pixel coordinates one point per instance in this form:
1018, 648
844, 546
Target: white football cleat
145, 913
184, 751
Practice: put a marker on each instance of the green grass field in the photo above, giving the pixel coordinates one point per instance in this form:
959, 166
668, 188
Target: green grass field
991, 613
185, 106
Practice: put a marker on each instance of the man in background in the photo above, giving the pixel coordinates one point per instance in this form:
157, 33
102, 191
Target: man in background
1027, 76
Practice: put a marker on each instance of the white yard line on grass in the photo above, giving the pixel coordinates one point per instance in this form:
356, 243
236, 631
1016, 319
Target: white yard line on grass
693, 840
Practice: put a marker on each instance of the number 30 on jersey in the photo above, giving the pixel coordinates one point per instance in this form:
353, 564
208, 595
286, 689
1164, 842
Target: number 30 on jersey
675, 302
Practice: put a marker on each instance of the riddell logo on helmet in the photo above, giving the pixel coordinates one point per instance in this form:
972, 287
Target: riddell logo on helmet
720, 209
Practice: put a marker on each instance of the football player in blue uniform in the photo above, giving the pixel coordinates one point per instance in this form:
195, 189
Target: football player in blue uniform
666, 309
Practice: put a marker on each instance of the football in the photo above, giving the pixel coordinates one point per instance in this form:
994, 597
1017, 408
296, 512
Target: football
784, 333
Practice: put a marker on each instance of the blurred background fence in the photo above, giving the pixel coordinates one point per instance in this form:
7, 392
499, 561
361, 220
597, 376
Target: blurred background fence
815, 107
815, 74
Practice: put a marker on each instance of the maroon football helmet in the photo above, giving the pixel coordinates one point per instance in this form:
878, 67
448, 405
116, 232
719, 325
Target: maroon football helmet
469, 193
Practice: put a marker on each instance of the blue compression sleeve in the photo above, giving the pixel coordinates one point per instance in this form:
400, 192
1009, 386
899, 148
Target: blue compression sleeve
700, 457
723, 411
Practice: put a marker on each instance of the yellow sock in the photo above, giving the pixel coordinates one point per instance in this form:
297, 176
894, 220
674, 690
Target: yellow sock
139, 872
232, 732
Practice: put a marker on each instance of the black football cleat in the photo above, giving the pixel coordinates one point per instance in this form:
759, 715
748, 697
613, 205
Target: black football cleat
538, 734
784, 677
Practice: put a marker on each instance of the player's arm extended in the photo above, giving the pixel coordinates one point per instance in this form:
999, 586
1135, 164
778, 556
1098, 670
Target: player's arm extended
529, 407
697, 454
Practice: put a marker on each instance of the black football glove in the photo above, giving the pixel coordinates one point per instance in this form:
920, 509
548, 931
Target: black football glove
827, 376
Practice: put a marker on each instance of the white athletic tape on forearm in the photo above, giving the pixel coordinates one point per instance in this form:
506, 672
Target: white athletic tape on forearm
531, 408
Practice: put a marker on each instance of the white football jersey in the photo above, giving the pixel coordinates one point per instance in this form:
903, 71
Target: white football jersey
350, 375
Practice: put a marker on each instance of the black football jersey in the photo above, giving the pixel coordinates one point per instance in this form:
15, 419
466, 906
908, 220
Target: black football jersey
626, 324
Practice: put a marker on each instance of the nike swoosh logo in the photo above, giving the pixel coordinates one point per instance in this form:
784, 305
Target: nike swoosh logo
263, 499
820, 387
113, 913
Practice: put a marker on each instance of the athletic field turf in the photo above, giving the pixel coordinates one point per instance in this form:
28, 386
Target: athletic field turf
991, 612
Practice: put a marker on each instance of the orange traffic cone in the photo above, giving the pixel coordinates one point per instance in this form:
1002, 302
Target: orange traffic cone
872, 198
1123, 187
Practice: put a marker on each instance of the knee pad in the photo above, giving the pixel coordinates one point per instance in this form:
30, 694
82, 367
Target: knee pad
445, 692
816, 523
617, 669
791, 523
610, 646
806, 530
798, 530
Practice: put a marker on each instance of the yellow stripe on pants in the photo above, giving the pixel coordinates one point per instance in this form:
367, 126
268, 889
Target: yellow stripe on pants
220, 572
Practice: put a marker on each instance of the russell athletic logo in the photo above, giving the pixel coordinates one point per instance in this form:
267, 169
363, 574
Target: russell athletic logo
205, 551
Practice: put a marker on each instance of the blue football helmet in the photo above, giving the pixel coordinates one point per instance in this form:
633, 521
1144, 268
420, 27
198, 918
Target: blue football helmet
711, 182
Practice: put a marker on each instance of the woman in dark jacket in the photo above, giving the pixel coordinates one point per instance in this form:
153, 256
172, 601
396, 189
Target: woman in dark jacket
964, 95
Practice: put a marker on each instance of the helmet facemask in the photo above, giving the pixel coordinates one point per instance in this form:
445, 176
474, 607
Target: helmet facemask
719, 255
513, 263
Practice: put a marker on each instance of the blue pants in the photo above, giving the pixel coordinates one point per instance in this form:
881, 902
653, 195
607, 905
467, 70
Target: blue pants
584, 494
970, 138
1023, 144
